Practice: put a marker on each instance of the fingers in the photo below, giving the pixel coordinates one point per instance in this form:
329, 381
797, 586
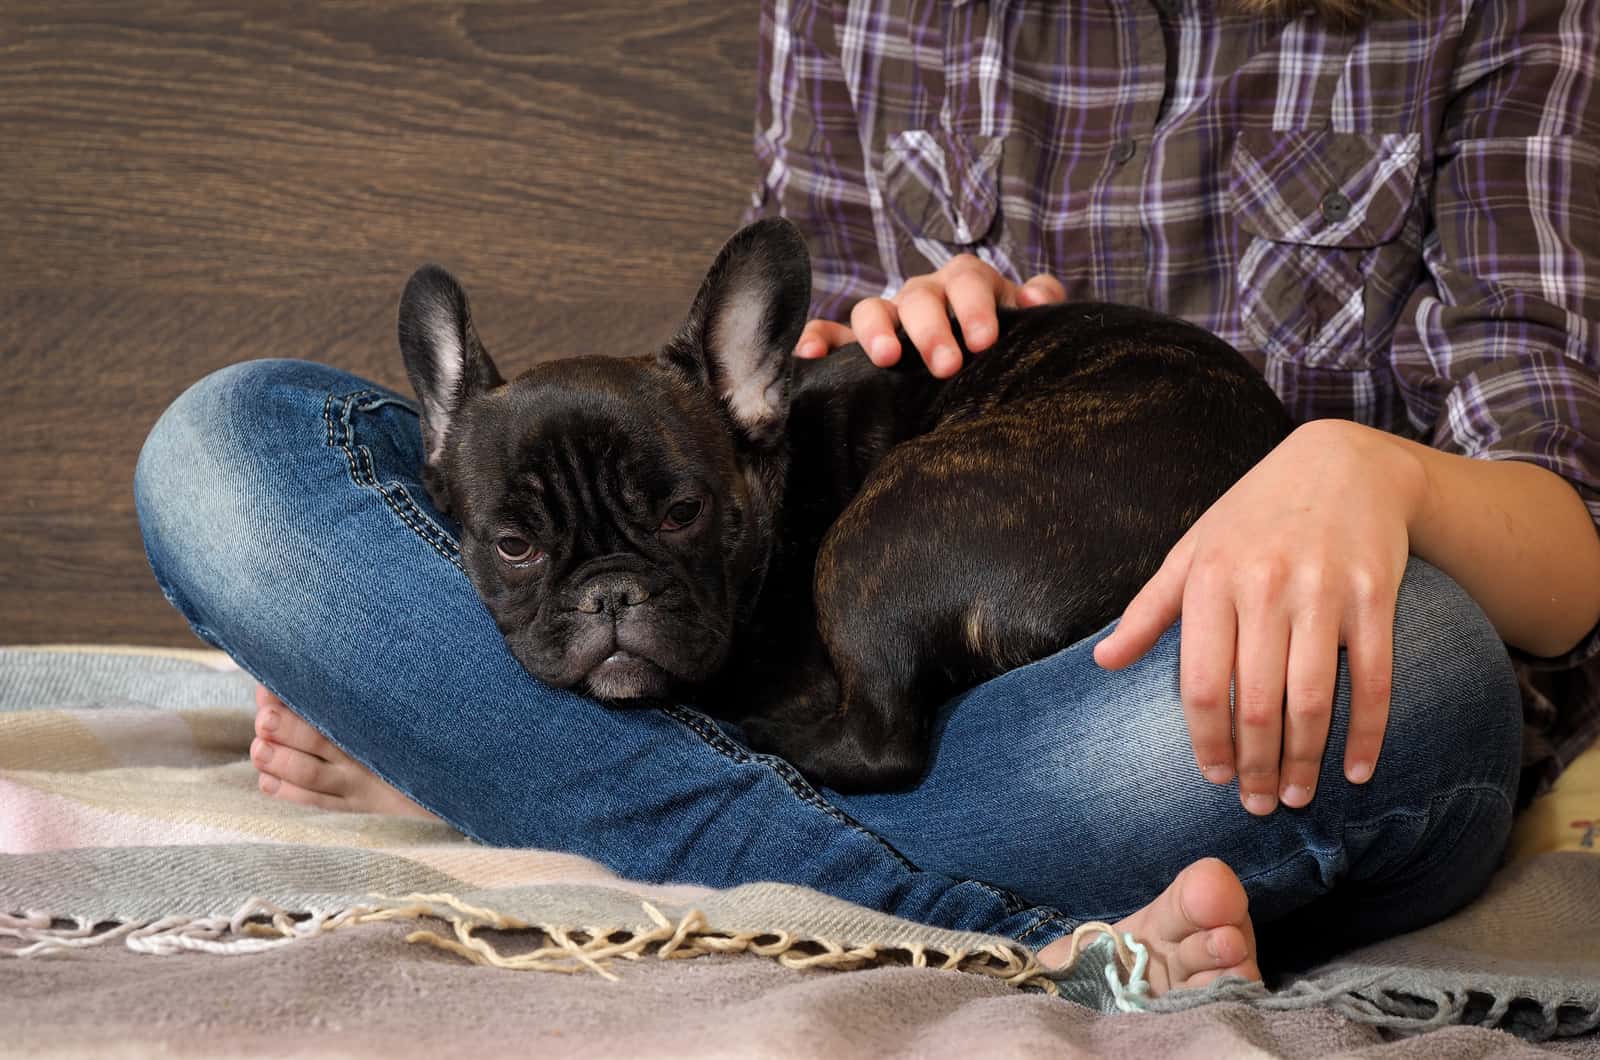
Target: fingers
1313, 671
967, 287
1369, 640
820, 337
1150, 613
1205, 670
1258, 704
873, 321
974, 289
1042, 289
927, 324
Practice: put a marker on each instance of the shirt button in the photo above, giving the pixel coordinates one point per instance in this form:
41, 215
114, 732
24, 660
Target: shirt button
1123, 150
1335, 207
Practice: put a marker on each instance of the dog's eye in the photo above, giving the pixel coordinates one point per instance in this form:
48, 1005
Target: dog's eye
682, 514
515, 549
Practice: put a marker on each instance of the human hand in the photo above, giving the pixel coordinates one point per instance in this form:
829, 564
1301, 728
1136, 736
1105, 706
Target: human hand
1303, 554
967, 286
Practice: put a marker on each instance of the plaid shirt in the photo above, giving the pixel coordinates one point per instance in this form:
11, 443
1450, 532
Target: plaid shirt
1398, 222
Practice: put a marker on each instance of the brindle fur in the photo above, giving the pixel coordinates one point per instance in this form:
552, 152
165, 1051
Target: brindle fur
963, 528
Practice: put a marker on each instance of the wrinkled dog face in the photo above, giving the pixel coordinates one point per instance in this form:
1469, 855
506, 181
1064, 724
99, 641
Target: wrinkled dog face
616, 513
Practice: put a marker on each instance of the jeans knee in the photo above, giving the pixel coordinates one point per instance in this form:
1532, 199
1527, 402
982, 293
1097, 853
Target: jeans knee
1453, 686
203, 482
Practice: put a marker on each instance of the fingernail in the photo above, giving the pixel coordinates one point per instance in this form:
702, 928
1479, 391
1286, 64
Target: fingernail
946, 361
269, 720
884, 347
1260, 803
809, 349
979, 334
1211, 948
269, 784
1296, 795
261, 751
1218, 774
1359, 772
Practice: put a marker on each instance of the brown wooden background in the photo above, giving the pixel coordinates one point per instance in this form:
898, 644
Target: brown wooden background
185, 185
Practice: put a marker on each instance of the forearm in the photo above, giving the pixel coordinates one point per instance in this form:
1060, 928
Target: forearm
1514, 535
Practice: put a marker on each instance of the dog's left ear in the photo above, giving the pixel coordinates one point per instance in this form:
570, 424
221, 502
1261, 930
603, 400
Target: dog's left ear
444, 358
446, 362
739, 338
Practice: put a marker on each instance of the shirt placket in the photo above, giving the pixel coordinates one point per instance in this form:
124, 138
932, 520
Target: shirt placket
1122, 252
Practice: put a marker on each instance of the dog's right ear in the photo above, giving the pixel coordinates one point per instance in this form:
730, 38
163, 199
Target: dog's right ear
444, 359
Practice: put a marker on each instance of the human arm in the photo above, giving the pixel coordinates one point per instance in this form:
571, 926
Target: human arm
1306, 553
1495, 357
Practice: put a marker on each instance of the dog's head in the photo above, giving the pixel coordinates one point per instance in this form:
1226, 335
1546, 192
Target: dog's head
617, 514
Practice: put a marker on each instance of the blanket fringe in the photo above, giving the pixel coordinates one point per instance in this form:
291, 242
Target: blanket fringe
1366, 997
260, 925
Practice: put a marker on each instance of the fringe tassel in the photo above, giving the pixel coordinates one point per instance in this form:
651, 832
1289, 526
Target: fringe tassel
259, 925
594, 948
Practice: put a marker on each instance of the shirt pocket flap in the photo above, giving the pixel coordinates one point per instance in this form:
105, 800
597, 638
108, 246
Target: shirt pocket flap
942, 185
1321, 188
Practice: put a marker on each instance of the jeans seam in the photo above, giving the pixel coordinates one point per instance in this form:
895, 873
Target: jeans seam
717, 741
1427, 815
1377, 823
363, 474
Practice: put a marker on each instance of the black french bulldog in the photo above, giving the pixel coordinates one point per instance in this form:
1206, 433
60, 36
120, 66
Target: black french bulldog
822, 552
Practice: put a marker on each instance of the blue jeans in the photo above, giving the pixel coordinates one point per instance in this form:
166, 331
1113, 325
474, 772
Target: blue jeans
284, 517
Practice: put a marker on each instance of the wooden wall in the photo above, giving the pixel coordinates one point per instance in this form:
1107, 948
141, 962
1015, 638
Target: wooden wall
186, 185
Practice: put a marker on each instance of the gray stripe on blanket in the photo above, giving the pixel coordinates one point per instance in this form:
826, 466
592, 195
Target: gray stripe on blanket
34, 678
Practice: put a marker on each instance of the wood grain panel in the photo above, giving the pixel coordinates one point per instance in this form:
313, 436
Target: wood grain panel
186, 185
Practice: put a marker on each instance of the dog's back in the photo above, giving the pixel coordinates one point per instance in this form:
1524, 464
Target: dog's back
999, 516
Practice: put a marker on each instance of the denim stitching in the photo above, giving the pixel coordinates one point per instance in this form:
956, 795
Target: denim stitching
1429, 818
1011, 903
441, 535
719, 742
1048, 919
417, 520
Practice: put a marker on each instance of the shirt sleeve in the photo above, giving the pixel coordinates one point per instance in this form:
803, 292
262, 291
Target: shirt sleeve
811, 166
1496, 352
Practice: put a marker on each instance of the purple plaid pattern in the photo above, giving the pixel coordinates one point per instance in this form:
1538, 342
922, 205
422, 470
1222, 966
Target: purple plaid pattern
1398, 222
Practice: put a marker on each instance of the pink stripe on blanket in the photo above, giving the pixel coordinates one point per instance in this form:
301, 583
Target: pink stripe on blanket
32, 821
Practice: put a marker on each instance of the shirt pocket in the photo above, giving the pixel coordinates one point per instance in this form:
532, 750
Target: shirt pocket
1331, 242
942, 185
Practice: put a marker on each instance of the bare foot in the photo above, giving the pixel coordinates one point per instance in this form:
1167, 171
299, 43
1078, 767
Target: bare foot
1197, 930
298, 764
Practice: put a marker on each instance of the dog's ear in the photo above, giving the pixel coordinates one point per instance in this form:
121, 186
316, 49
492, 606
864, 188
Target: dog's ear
444, 359
739, 338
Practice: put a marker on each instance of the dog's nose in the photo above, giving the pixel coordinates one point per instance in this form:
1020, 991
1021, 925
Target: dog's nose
611, 593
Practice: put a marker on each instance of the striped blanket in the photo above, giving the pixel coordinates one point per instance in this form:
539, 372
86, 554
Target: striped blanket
130, 819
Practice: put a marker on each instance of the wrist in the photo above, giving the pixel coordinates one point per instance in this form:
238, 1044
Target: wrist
1398, 466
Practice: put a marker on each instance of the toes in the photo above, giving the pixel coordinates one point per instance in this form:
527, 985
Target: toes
1243, 970
1206, 895
279, 724
280, 789
1207, 953
293, 766
1198, 929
